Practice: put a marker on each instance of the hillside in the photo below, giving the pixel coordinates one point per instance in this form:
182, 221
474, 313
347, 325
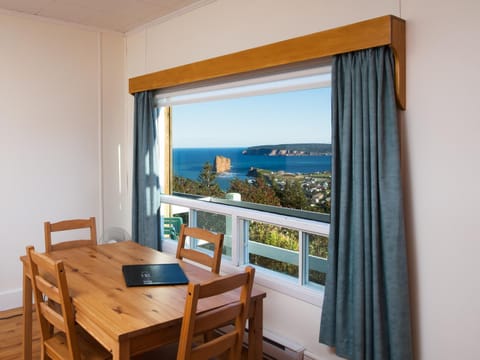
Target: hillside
309, 149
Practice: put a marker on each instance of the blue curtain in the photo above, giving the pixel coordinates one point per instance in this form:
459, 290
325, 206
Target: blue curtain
146, 186
366, 312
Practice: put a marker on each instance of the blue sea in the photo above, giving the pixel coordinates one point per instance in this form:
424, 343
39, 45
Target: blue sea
188, 162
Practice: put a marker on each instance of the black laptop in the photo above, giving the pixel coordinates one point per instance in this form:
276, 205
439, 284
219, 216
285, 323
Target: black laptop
154, 274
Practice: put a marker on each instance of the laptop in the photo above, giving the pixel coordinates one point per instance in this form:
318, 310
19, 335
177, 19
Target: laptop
154, 274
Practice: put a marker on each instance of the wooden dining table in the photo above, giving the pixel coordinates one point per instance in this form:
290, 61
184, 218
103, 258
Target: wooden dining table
131, 320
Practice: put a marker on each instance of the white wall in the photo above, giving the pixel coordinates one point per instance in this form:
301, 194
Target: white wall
115, 129
440, 144
442, 148
227, 26
50, 120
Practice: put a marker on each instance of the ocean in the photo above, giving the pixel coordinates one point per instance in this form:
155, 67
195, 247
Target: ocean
188, 162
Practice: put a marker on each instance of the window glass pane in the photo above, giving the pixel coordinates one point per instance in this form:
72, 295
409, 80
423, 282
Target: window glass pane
213, 222
271, 149
316, 263
273, 247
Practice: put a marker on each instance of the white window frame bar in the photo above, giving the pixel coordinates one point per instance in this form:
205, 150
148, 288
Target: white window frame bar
316, 77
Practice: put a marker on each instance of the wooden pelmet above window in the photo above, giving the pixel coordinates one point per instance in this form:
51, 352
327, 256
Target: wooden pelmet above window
386, 30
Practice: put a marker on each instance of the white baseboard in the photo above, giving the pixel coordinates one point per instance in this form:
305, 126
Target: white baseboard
10, 299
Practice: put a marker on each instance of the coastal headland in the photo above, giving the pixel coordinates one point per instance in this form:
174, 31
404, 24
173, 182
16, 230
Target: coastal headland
308, 149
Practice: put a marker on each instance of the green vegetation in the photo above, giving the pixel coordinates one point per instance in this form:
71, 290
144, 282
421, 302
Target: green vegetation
206, 184
259, 192
296, 191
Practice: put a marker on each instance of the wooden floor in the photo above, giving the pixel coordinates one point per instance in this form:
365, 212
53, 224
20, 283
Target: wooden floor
12, 335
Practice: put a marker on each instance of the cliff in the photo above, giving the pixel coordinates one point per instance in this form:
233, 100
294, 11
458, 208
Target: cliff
222, 164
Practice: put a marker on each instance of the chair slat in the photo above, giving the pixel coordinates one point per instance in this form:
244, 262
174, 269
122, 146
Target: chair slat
217, 346
52, 316
46, 288
216, 239
217, 318
224, 284
198, 257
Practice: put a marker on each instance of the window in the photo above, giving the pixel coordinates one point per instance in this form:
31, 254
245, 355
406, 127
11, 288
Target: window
296, 52
261, 145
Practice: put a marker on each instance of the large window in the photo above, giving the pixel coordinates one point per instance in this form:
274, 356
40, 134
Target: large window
263, 145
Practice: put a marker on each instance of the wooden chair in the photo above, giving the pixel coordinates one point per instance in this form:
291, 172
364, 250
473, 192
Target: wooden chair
194, 323
60, 337
66, 225
228, 343
213, 262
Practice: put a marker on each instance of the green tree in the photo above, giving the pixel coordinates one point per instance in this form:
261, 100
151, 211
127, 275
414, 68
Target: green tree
258, 191
208, 182
185, 185
292, 195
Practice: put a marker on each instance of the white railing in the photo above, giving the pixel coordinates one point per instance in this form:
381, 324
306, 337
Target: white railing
238, 238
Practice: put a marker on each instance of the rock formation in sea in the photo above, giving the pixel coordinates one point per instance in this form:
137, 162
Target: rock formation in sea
222, 164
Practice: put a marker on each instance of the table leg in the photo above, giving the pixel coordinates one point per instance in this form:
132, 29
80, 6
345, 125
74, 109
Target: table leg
255, 331
121, 351
27, 314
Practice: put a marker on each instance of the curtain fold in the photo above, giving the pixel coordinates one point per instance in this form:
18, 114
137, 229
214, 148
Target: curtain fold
146, 185
366, 312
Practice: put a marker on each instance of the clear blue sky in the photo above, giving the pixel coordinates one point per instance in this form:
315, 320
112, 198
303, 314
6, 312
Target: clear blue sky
294, 117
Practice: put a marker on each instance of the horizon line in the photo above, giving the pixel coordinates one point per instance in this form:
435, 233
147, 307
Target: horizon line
246, 146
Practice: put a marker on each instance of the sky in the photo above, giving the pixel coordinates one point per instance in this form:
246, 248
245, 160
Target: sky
301, 116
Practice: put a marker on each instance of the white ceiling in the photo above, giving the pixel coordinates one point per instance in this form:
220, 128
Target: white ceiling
116, 15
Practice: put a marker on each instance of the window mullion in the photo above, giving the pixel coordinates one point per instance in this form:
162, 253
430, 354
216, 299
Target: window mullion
301, 258
236, 239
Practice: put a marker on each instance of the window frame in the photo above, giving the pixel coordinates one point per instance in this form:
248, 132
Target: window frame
241, 212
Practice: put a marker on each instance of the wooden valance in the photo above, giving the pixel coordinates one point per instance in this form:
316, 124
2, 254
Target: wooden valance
386, 30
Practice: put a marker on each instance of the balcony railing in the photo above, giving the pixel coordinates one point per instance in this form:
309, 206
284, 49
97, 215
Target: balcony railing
301, 266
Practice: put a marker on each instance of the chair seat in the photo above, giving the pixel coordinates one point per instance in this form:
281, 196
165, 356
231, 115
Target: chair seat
90, 349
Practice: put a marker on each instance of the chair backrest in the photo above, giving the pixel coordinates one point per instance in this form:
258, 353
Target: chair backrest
216, 239
66, 225
52, 301
232, 313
